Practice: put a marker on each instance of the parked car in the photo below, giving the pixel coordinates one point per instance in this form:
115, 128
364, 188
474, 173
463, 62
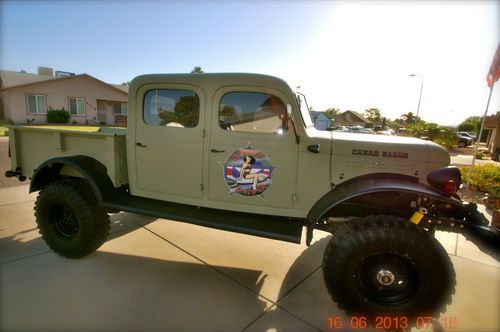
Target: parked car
467, 134
464, 141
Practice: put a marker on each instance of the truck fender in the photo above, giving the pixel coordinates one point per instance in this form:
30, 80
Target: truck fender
367, 184
92, 170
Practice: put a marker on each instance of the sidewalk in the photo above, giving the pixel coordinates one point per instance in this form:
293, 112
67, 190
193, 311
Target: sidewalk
157, 275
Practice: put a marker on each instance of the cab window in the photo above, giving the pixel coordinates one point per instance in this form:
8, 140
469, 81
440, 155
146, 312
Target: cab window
171, 108
254, 112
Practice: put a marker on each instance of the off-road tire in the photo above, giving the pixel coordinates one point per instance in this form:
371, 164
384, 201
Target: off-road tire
359, 255
70, 219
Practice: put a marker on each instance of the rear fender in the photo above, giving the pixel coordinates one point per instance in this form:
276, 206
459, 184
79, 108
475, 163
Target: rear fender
90, 169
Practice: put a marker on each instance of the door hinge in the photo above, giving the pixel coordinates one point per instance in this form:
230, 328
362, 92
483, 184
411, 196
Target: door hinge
294, 198
203, 133
201, 186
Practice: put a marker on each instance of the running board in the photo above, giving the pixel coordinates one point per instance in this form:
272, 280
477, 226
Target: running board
272, 227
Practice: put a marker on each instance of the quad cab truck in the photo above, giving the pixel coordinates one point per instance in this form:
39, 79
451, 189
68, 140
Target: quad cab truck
239, 152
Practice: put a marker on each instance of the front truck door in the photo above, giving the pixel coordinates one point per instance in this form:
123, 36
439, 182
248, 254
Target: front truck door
169, 142
253, 159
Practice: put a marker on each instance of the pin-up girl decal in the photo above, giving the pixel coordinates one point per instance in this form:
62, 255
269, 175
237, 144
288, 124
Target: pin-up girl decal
248, 172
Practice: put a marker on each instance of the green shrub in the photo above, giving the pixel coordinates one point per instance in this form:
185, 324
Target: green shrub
447, 142
58, 116
485, 178
479, 155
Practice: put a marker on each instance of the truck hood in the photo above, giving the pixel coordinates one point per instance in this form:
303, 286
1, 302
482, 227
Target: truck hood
388, 147
358, 154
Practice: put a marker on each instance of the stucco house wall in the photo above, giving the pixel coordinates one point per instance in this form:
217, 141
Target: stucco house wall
57, 94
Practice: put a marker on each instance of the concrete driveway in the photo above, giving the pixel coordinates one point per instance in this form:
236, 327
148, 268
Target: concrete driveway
157, 275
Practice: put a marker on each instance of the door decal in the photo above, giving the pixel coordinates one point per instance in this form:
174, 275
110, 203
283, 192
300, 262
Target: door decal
248, 172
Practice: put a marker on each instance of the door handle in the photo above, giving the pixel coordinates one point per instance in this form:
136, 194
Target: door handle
139, 144
217, 151
313, 148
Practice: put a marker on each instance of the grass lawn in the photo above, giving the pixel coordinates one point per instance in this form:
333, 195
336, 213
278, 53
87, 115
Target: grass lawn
88, 129
3, 129
74, 128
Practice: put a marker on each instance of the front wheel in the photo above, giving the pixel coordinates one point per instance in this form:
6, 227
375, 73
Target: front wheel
386, 266
70, 219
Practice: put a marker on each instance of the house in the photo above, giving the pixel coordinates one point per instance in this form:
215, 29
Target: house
321, 120
351, 118
26, 97
492, 127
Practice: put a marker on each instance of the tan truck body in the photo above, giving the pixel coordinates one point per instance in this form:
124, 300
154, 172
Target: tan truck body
177, 165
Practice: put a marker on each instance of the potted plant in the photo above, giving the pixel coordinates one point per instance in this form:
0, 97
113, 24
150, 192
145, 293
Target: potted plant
492, 199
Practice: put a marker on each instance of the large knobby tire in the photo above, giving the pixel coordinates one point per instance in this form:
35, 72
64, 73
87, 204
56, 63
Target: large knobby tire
386, 266
70, 219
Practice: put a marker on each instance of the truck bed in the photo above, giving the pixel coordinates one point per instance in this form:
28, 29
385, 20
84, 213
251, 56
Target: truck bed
30, 146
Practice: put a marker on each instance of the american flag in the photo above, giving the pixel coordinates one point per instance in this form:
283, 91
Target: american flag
494, 71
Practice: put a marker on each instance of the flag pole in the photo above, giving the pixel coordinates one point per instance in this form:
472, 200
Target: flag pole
467, 183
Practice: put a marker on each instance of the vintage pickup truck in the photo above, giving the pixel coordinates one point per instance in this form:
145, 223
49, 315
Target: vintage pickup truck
239, 152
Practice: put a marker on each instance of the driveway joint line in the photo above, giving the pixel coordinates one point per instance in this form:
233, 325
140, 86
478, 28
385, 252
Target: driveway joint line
298, 284
14, 203
273, 303
26, 257
286, 311
209, 265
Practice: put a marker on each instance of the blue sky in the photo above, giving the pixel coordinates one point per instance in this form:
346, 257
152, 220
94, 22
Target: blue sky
349, 55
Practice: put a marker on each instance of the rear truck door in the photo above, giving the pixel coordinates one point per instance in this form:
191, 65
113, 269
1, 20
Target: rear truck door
169, 141
252, 157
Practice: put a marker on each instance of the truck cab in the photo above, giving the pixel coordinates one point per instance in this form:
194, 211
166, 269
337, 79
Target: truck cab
190, 134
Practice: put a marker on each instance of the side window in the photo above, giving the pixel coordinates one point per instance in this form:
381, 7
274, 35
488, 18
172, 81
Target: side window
254, 112
171, 108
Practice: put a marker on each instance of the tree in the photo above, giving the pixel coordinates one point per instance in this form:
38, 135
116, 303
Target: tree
332, 112
185, 112
373, 114
197, 70
409, 118
467, 126
127, 83
471, 124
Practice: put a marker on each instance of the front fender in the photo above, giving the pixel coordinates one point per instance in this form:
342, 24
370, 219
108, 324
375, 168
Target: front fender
368, 184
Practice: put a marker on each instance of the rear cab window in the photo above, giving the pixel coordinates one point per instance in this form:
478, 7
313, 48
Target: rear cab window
171, 108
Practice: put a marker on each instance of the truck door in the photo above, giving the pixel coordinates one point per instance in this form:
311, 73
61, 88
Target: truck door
252, 157
169, 142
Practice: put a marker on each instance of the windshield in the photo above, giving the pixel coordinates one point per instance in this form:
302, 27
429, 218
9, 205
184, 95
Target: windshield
304, 110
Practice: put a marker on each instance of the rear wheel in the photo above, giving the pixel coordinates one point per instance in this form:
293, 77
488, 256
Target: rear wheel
386, 266
462, 144
70, 219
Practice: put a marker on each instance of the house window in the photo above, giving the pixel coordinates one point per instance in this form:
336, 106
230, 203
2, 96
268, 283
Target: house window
120, 108
77, 106
252, 112
36, 104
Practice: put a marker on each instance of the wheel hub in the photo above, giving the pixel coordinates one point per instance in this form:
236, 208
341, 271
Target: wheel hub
385, 277
65, 222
